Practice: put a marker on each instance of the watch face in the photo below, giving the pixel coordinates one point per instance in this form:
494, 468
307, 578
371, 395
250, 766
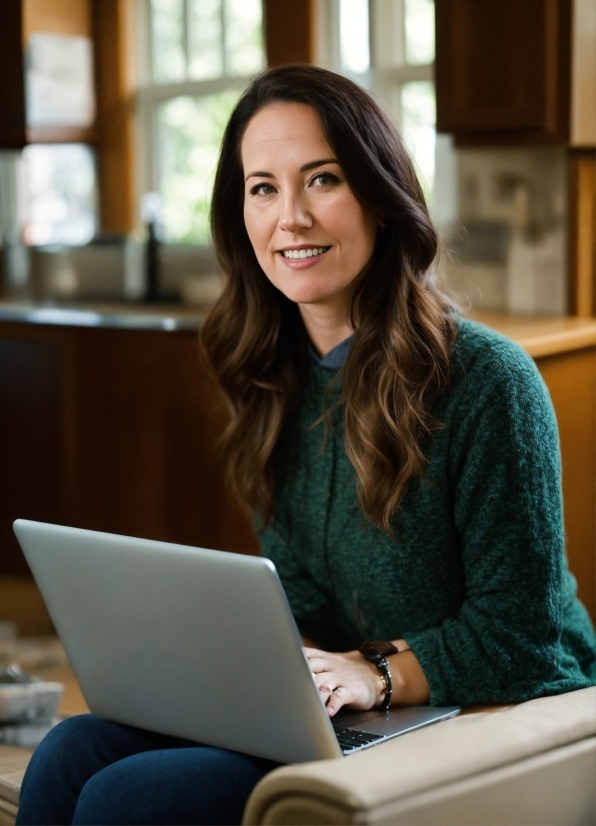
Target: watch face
382, 648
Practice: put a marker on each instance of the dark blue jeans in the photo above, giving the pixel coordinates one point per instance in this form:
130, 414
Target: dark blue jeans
89, 770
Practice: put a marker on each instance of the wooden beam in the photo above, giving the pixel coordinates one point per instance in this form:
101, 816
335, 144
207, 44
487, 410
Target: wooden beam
582, 232
113, 28
289, 31
12, 79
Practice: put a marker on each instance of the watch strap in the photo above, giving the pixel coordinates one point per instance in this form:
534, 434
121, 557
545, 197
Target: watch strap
375, 651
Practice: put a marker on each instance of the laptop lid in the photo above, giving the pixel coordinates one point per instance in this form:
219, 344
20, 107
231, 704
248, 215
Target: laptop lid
184, 641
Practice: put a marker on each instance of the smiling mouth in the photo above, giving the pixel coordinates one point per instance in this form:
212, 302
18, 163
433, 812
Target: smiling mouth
309, 252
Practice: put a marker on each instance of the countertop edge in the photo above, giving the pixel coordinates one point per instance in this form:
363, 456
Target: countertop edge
97, 319
539, 336
564, 342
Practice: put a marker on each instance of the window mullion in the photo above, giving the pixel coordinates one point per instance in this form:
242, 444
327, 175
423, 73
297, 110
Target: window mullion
405, 74
170, 164
224, 49
146, 45
186, 37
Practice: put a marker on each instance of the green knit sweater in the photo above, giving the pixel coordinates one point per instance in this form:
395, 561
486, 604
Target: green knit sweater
477, 581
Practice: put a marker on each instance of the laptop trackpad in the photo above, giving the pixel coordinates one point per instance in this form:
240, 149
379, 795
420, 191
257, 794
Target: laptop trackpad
393, 721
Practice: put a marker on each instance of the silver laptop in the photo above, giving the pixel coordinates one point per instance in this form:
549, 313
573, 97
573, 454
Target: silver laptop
194, 643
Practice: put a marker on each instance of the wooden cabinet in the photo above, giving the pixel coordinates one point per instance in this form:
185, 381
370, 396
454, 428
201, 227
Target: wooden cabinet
503, 70
571, 380
21, 19
111, 430
565, 352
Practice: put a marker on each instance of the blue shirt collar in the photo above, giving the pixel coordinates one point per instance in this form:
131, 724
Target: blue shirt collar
335, 358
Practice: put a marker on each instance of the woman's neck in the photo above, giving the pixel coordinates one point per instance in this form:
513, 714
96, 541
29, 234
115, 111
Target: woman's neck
326, 329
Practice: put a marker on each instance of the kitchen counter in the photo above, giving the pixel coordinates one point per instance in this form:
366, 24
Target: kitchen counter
538, 335
122, 316
543, 335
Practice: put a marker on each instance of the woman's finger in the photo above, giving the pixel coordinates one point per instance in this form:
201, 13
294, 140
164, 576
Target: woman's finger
318, 664
311, 652
338, 697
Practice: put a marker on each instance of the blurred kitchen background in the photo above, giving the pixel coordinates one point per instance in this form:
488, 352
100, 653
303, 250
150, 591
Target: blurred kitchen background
116, 110
112, 115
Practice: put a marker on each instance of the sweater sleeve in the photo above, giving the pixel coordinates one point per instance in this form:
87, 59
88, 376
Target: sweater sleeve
505, 480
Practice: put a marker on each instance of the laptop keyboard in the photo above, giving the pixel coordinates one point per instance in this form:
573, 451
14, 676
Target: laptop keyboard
350, 739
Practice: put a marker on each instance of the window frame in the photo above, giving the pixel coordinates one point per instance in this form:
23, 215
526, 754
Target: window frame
150, 95
389, 70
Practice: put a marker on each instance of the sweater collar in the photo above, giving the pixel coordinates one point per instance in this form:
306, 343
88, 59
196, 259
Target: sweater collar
336, 357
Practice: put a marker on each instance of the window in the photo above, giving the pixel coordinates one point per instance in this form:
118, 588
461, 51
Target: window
388, 47
200, 55
48, 195
59, 192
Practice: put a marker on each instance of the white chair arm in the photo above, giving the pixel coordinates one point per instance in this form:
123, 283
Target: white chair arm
359, 788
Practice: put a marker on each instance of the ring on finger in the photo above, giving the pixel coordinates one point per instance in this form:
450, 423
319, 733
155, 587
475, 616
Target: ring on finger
337, 691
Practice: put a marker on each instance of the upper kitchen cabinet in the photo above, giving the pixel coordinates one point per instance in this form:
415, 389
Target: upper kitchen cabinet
516, 73
46, 72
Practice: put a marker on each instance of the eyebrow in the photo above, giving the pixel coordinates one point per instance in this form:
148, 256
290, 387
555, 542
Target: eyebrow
305, 168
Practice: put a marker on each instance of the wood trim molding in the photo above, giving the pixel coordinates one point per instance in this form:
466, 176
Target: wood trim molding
60, 134
113, 28
582, 232
12, 77
583, 74
56, 17
289, 31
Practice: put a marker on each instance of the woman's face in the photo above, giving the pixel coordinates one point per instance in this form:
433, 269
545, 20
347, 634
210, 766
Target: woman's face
312, 237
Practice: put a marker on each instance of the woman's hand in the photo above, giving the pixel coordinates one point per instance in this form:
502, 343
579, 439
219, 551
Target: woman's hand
350, 679
345, 679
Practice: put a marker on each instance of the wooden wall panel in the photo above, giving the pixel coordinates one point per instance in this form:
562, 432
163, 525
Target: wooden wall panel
114, 40
582, 232
289, 31
111, 430
571, 380
147, 427
33, 439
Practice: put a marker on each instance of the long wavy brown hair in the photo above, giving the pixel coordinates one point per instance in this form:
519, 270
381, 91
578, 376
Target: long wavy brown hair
398, 366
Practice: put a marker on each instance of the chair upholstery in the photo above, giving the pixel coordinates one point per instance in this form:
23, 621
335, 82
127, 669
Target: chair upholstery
534, 763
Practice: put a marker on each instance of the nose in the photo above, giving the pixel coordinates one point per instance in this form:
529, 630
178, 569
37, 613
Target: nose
294, 215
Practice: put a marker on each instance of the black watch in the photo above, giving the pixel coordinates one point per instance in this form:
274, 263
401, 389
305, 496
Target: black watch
375, 652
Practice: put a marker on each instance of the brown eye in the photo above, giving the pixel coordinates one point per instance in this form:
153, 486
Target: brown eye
324, 179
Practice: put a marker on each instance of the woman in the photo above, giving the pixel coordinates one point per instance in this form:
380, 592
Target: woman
402, 464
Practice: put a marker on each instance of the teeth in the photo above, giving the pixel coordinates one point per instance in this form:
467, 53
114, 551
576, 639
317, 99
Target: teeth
309, 253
